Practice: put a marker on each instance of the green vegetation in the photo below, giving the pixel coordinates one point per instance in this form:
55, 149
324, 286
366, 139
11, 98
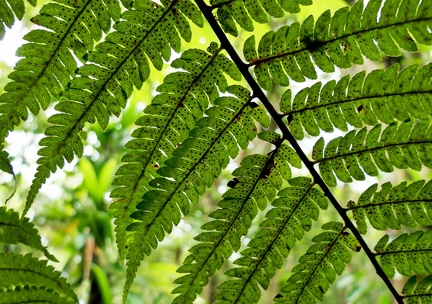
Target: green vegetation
292, 150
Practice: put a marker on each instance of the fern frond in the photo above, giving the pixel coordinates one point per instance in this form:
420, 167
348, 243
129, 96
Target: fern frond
15, 230
393, 207
165, 124
292, 215
341, 40
244, 12
407, 145
318, 268
23, 270
9, 10
418, 292
380, 96
192, 168
32, 294
254, 185
49, 64
409, 254
106, 82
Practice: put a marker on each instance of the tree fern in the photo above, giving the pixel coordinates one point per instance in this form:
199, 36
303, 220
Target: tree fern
89, 56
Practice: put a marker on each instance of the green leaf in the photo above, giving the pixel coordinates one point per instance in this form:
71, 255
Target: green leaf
15, 230
404, 145
340, 40
318, 268
23, 270
288, 220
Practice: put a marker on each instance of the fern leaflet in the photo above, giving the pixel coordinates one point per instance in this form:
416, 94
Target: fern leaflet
407, 145
15, 230
292, 215
243, 12
409, 254
318, 268
32, 294
107, 81
254, 185
165, 124
193, 167
418, 292
49, 64
8, 11
381, 96
393, 207
339, 41
23, 270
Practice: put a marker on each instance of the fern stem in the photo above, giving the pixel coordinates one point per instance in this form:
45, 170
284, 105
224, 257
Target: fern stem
257, 91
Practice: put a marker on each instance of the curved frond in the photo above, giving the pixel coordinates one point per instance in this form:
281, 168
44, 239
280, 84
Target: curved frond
393, 207
418, 292
292, 215
318, 268
341, 40
107, 80
408, 254
183, 98
407, 145
23, 270
15, 230
32, 294
71, 27
244, 12
380, 96
254, 185
192, 168
9, 10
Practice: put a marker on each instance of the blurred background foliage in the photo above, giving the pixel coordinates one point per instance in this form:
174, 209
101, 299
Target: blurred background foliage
72, 212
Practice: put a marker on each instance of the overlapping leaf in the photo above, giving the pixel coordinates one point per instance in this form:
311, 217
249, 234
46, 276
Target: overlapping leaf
404, 145
9, 10
49, 63
244, 12
15, 230
23, 270
254, 185
192, 168
106, 82
418, 292
292, 215
318, 268
380, 96
393, 207
165, 124
33, 294
341, 40
408, 254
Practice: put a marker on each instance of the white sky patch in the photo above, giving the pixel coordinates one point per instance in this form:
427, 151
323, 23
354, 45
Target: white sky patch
11, 42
